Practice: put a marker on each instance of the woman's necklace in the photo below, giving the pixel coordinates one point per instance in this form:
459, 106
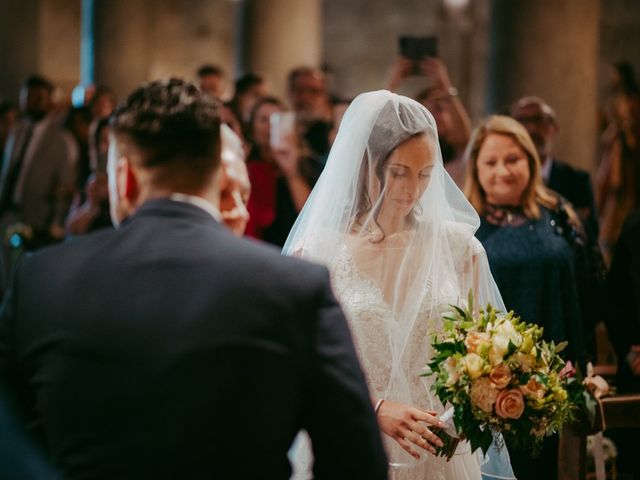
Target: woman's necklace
505, 215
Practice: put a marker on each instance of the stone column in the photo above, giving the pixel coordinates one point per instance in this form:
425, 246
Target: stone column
550, 48
121, 43
19, 52
279, 35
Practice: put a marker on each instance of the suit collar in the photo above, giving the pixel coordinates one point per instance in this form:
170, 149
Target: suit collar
165, 207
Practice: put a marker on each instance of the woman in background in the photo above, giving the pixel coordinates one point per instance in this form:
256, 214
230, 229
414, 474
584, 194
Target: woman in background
531, 237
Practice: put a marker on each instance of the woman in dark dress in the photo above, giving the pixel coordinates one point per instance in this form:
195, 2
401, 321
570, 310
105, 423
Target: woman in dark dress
530, 236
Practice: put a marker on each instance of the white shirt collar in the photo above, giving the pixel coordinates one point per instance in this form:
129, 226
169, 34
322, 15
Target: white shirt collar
197, 202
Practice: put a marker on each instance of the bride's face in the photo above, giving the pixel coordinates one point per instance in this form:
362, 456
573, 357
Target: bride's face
407, 172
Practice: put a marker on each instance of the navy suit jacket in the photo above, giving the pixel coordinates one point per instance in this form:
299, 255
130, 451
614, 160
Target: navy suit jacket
171, 349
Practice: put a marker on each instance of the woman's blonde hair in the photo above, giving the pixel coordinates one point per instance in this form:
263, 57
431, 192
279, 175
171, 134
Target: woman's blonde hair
535, 193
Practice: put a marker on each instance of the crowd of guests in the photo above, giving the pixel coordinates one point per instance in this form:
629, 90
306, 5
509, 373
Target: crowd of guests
548, 238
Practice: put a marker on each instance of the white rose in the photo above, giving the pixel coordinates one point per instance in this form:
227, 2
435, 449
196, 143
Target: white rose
500, 344
474, 364
508, 330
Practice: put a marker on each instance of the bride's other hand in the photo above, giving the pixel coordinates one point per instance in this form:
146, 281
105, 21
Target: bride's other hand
408, 426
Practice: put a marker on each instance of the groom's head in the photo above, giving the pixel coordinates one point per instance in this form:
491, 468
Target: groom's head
165, 139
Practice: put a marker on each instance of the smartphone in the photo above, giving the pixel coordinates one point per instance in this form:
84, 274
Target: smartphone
416, 48
283, 126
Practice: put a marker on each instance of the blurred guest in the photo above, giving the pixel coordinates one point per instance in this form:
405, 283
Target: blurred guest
212, 80
623, 290
618, 177
623, 325
103, 102
8, 116
310, 100
573, 184
39, 170
281, 178
90, 207
530, 237
77, 123
249, 88
622, 85
308, 93
441, 99
235, 186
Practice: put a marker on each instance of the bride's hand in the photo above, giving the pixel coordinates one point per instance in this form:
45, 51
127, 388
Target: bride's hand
409, 426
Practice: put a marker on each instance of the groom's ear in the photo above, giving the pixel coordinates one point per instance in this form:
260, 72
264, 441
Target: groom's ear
131, 188
128, 184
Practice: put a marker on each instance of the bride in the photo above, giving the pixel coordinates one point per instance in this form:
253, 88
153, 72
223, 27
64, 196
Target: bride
398, 238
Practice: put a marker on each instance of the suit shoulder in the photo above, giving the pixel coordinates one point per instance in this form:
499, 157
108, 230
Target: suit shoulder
269, 260
571, 171
71, 246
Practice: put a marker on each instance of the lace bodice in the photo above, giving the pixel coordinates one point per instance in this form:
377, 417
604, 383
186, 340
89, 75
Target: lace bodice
374, 327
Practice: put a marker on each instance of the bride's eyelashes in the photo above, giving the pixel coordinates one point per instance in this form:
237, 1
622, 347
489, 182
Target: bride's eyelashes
397, 171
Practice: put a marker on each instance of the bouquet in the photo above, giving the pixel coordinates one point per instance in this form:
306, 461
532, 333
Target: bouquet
500, 376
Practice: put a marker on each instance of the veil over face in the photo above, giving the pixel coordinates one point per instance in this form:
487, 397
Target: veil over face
398, 237
385, 196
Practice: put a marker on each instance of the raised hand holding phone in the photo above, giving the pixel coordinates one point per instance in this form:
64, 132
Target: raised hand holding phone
284, 145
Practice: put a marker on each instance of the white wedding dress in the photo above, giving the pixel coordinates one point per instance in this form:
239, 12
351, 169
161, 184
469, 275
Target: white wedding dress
371, 320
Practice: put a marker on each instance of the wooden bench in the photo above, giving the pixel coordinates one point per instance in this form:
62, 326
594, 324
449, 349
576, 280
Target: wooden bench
619, 411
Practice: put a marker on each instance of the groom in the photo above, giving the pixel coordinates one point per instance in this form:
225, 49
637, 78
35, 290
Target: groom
168, 348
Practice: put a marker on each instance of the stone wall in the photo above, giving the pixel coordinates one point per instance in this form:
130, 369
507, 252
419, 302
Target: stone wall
137, 40
39, 36
141, 40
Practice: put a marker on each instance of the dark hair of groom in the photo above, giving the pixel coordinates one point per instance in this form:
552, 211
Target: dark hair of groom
171, 129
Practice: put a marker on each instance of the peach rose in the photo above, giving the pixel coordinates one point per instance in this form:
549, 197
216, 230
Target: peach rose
510, 404
500, 376
534, 388
483, 394
474, 340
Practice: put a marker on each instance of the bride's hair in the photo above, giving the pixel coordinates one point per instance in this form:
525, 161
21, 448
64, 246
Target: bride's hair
393, 127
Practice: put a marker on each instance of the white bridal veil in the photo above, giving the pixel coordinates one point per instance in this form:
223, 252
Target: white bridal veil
398, 236
412, 267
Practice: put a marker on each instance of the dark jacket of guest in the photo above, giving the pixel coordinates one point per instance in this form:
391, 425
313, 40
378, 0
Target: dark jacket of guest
623, 302
171, 349
575, 186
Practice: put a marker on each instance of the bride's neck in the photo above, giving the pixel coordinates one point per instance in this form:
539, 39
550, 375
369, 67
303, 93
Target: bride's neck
391, 222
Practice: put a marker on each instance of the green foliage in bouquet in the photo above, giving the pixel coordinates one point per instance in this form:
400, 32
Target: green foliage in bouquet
499, 375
